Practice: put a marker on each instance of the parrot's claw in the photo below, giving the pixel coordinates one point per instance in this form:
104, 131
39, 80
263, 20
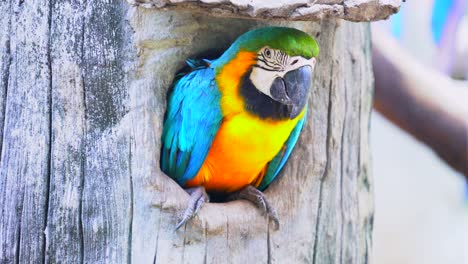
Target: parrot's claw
198, 197
256, 197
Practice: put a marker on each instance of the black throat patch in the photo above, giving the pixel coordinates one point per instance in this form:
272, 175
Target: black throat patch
260, 104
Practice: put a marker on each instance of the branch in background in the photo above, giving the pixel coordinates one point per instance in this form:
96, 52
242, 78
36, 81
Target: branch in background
428, 105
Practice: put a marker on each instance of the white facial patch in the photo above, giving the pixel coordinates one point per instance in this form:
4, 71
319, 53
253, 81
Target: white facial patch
272, 64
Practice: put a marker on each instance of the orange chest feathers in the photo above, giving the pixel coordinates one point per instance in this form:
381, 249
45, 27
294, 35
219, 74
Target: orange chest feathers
245, 143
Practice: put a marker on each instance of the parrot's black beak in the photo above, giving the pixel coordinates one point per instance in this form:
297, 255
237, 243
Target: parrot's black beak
292, 89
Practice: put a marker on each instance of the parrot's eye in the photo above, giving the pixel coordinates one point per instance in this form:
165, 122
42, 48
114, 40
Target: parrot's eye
267, 53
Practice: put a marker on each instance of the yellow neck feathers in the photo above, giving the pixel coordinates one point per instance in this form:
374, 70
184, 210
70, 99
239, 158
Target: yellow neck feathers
228, 80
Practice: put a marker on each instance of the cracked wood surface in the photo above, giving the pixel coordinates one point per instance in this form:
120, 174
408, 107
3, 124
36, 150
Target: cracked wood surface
353, 10
83, 90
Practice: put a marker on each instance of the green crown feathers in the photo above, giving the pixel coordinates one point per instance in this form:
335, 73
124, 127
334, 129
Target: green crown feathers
290, 40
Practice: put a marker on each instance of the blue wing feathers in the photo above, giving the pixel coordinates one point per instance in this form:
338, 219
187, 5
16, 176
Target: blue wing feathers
275, 166
192, 120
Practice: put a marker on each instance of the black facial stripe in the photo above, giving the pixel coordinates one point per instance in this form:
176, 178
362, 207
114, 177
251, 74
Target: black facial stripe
284, 58
268, 63
272, 67
277, 63
280, 57
263, 57
262, 60
266, 69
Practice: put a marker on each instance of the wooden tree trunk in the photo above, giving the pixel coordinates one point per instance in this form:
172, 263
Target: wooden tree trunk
83, 91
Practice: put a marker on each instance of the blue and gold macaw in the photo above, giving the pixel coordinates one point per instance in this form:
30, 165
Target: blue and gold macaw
232, 123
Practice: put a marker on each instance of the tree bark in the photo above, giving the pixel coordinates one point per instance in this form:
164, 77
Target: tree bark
83, 93
352, 10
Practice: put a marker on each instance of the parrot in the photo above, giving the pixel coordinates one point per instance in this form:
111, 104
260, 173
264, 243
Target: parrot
231, 123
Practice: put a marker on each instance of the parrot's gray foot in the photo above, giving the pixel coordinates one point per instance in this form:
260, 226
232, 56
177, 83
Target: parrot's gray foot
256, 197
198, 197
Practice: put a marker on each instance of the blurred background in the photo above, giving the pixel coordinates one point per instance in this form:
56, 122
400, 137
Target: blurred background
421, 202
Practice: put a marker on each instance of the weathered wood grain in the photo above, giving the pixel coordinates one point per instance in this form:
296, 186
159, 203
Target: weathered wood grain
84, 85
302, 10
5, 59
107, 188
25, 158
64, 231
